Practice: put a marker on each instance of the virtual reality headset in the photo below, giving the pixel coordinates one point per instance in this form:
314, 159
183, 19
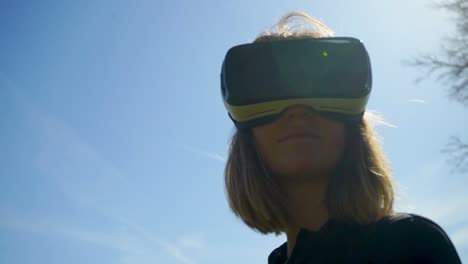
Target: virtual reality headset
260, 80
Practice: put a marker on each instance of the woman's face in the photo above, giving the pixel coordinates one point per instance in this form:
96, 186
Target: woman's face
300, 144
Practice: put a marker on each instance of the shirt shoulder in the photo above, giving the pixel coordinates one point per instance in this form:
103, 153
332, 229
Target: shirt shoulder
278, 255
413, 238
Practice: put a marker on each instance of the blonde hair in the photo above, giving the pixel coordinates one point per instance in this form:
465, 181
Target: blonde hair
360, 192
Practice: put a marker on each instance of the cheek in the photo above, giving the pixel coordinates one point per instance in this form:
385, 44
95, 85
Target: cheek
335, 144
332, 143
266, 145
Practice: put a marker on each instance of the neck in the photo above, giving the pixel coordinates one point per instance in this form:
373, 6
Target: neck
306, 208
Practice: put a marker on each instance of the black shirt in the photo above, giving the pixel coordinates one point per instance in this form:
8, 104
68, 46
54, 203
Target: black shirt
403, 238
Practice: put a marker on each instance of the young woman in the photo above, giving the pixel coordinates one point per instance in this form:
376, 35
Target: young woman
304, 160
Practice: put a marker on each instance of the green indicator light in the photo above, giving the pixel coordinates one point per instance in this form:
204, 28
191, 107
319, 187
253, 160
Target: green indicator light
325, 54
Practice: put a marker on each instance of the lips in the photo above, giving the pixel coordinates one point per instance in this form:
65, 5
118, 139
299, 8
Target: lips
298, 135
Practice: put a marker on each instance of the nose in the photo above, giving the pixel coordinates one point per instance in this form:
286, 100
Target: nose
299, 111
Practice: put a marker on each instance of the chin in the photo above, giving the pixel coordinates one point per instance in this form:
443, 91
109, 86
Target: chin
307, 169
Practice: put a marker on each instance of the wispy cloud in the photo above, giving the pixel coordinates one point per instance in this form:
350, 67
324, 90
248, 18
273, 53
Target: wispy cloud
130, 243
175, 252
76, 167
171, 248
419, 101
91, 182
192, 242
47, 227
204, 153
95, 183
84, 175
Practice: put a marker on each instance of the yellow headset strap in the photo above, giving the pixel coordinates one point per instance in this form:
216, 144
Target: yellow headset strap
351, 106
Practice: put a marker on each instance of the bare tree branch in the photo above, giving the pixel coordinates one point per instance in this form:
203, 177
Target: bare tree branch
458, 152
450, 67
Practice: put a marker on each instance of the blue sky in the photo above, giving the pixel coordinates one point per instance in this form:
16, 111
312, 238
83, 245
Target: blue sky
114, 135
